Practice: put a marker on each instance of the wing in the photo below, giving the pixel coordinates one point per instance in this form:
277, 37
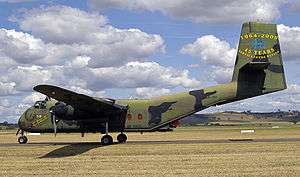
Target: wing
80, 101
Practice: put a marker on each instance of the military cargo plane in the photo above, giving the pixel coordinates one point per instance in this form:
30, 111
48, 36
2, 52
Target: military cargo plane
258, 70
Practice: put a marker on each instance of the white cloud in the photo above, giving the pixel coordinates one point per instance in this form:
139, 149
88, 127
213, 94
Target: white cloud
61, 33
137, 74
221, 74
220, 56
87, 91
290, 41
224, 11
216, 53
211, 50
4, 102
26, 77
33, 97
150, 92
293, 89
26, 49
7, 88
62, 24
79, 77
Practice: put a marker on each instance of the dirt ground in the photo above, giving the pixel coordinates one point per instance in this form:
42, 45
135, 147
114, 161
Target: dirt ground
71, 155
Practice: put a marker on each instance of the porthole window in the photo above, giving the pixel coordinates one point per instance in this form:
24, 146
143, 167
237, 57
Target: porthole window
129, 116
140, 117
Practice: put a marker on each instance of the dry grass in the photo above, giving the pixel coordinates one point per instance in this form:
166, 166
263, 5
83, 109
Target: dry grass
224, 159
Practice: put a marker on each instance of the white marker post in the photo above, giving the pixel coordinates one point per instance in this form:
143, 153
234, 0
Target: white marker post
247, 131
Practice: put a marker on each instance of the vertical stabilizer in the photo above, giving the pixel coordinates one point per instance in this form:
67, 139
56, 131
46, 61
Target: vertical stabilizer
258, 68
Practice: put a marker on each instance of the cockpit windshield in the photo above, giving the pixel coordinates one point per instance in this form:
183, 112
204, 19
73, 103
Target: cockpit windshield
40, 104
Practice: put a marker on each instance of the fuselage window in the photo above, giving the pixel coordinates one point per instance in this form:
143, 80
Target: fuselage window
40, 105
129, 116
140, 116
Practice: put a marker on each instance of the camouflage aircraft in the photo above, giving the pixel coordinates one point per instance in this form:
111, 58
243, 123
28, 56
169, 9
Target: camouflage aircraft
258, 70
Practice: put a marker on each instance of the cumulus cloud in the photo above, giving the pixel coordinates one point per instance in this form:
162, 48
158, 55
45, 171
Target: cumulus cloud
24, 48
211, 50
7, 88
80, 51
26, 77
62, 24
223, 11
61, 33
290, 41
214, 52
32, 98
220, 56
150, 92
87, 55
134, 74
221, 75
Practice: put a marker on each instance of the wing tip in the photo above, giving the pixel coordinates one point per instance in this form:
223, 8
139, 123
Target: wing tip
40, 87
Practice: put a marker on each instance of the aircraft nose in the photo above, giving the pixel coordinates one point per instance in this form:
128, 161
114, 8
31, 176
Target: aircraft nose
22, 122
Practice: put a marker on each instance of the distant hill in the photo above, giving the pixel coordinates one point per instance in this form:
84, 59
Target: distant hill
231, 116
8, 126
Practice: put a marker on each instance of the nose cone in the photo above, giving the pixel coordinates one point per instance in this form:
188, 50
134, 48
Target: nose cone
22, 122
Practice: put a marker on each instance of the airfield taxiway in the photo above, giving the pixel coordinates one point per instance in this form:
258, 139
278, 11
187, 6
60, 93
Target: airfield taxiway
157, 142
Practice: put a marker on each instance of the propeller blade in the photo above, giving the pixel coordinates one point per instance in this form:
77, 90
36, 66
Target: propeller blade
54, 124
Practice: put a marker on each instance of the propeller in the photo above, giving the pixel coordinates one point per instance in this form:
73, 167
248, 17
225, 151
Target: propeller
53, 118
59, 111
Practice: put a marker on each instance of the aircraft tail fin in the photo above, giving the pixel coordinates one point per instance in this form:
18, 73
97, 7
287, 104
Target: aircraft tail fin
259, 68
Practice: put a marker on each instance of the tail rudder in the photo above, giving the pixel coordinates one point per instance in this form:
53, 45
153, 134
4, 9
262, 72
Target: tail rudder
259, 67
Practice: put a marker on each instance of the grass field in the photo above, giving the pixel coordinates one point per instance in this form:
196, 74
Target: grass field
206, 159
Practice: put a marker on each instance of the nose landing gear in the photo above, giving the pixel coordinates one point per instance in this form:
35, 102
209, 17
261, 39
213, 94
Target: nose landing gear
22, 139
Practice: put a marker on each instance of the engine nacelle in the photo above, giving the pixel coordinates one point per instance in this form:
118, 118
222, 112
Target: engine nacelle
62, 111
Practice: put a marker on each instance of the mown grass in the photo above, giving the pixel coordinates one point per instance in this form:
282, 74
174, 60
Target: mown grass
216, 159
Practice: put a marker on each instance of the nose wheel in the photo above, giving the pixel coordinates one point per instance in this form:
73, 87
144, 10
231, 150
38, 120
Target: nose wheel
22, 139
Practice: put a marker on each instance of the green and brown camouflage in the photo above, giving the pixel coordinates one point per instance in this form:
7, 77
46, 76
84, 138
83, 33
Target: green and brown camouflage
258, 70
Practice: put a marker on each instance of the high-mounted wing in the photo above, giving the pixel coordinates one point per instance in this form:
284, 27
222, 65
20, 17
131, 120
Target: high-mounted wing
80, 101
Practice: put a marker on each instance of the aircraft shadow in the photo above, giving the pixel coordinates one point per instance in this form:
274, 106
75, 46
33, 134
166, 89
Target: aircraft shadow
72, 149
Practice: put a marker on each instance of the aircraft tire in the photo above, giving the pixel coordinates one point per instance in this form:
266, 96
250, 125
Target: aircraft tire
122, 138
22, 139
106, 140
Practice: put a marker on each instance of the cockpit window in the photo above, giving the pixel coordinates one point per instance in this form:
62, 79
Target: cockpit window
40, 104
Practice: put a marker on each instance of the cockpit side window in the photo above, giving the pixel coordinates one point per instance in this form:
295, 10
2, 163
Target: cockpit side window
40, 105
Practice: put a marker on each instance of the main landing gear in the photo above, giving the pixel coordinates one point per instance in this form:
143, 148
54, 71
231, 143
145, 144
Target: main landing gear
122, 138
108, 140
22, 139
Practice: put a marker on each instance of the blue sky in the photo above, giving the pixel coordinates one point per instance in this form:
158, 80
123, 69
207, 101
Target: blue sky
122, 48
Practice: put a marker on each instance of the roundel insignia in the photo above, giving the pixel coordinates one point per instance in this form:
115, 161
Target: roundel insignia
258, 44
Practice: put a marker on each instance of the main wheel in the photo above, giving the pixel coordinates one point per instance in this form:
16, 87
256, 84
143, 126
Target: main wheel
122, 138
106, 140
22, 139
